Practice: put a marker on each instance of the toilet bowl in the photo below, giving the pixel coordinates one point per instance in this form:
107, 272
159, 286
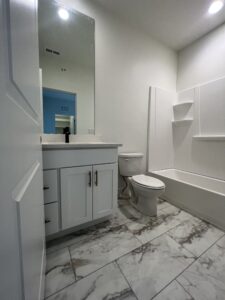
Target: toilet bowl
143, 189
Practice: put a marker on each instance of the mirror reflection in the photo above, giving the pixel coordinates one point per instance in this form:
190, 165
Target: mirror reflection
67, 60
59, 111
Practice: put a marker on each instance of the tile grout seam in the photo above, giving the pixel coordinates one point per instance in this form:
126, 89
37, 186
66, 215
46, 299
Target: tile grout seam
69, 245
126, 279
195, 260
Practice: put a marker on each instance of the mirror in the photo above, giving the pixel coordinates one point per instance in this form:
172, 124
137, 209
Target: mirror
67, 60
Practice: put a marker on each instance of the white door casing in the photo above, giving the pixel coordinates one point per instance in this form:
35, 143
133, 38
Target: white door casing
21, 185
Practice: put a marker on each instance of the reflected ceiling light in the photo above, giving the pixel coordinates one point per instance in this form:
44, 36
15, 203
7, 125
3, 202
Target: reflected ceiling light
63, 14
215, 7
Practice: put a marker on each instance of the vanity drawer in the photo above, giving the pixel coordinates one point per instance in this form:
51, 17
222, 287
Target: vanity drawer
51, 218
50, 186
81, 157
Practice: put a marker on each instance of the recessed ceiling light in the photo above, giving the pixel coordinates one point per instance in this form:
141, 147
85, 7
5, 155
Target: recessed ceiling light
63, 14
215, 7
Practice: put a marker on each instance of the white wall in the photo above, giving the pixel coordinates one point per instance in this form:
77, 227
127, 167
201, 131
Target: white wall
161, 154
203, 60
78, 80
127, 64
201, 156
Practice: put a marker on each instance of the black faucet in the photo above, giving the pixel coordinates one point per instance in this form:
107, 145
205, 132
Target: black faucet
66, 131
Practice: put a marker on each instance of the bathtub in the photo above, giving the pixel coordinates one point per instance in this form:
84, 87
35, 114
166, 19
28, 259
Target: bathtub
200, 195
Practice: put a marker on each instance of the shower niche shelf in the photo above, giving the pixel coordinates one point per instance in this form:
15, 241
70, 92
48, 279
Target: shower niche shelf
209, 137
183, 105
182, 122
183, 113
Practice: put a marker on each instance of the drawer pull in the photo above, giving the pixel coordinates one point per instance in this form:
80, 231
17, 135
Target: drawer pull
90, 179
47, 221
46, 188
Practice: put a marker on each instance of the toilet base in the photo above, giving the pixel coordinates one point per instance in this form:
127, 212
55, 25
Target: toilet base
144, 200
146, 207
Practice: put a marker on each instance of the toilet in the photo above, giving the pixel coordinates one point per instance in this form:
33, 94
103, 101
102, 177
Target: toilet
143, 190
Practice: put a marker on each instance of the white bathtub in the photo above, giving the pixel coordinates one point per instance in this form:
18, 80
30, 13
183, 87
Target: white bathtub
200, 195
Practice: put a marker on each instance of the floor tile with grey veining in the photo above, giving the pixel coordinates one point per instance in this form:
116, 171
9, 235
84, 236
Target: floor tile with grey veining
59, 271
101, 249
205, 279
174, 291
152, 266
195, 235
122, 215
105, 284
162, 204
148, 228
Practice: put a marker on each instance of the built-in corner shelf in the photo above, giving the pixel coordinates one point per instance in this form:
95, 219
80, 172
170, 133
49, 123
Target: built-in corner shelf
183, 113
209, 137
182, 122
182, 104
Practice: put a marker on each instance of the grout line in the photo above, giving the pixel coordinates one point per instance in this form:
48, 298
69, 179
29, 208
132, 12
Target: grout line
161, 234
196, 256
184, 289
195, 260
141, 244
89, 274
69, 245
73, 243
60, 290
125, 279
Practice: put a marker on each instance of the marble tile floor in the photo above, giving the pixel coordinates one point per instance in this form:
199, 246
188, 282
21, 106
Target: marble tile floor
174, 256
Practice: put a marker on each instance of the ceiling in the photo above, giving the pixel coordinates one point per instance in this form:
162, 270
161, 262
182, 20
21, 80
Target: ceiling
74, 39
176, 23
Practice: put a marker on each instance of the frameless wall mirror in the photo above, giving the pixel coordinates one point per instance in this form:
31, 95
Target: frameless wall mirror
67, 60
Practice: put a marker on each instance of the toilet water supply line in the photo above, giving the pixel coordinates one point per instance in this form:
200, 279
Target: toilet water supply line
134, 197
126, 185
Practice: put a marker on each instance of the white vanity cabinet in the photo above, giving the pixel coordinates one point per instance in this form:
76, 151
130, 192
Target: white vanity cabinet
87, 193
80, 186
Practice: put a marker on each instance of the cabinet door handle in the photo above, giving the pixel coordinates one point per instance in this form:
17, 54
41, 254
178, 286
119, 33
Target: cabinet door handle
46, 188
47, 221
90, 179
96, 178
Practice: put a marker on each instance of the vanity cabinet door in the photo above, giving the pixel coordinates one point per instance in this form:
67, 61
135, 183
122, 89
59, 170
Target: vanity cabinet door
50, 186
76, 196
104, 189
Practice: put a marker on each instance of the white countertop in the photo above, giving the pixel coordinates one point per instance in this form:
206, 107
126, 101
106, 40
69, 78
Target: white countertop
78, 145
57, 141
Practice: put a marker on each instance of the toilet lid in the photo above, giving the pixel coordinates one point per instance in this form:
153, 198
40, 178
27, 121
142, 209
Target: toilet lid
148, 181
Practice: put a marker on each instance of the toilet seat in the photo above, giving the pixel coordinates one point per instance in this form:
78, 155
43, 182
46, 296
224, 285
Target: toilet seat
148, 182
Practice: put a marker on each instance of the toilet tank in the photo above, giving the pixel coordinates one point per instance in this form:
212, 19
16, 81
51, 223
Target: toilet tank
130, 163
